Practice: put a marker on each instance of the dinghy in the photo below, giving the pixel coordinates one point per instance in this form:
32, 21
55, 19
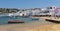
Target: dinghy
15, 21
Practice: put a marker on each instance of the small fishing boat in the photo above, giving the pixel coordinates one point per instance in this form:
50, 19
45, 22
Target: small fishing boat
15, 21
35, 19
53, 20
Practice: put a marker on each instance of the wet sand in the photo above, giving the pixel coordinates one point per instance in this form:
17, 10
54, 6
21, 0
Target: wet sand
27, 26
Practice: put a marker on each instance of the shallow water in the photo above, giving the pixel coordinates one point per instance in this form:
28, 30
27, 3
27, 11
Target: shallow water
5, 19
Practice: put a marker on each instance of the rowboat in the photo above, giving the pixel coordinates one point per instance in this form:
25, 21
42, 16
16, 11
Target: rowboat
15, 21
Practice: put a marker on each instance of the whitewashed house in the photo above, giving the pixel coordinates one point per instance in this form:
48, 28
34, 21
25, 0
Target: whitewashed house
23, 13
36, 12
48, 11
51, 10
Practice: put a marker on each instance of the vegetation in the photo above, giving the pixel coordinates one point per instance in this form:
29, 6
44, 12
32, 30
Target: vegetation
14, 10
8, 10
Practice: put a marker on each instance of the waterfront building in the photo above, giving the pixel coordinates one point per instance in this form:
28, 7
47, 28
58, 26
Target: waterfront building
36, 11
51, 10
48, 10
57, 11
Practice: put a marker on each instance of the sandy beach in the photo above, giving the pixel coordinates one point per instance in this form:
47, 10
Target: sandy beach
49, 27
40, 25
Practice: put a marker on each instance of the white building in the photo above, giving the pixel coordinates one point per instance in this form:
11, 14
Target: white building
48, 10
51, 9
36, 11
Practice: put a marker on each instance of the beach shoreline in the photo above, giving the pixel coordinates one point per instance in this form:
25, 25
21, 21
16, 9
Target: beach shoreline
26, 27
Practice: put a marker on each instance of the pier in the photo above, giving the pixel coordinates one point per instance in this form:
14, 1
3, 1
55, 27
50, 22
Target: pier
52, 19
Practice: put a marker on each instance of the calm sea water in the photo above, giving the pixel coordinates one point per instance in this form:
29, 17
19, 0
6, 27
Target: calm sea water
4, 19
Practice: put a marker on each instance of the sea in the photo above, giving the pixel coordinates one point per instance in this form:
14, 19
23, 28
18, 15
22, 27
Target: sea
4, 19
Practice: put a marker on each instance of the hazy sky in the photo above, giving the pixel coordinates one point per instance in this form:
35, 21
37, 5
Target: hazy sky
28, 3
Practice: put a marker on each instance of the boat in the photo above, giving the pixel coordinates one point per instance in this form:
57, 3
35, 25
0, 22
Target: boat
53, 20
35, 19
15, 21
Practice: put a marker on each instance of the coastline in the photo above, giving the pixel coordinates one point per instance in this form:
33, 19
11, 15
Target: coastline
27, 27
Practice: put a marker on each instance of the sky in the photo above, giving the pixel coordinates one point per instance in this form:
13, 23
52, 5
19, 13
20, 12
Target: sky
28, 3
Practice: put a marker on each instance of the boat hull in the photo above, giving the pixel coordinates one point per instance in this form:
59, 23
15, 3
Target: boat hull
15, 21
54, 21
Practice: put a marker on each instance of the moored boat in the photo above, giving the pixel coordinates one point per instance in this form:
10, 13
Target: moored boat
35, 19
53, 20
15, 21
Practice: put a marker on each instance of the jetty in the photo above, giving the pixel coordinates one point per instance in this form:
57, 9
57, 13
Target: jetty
51, 19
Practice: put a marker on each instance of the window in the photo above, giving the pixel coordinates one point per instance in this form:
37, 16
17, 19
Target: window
50, 7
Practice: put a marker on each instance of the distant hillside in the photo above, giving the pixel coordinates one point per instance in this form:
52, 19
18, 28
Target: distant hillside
8, 10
